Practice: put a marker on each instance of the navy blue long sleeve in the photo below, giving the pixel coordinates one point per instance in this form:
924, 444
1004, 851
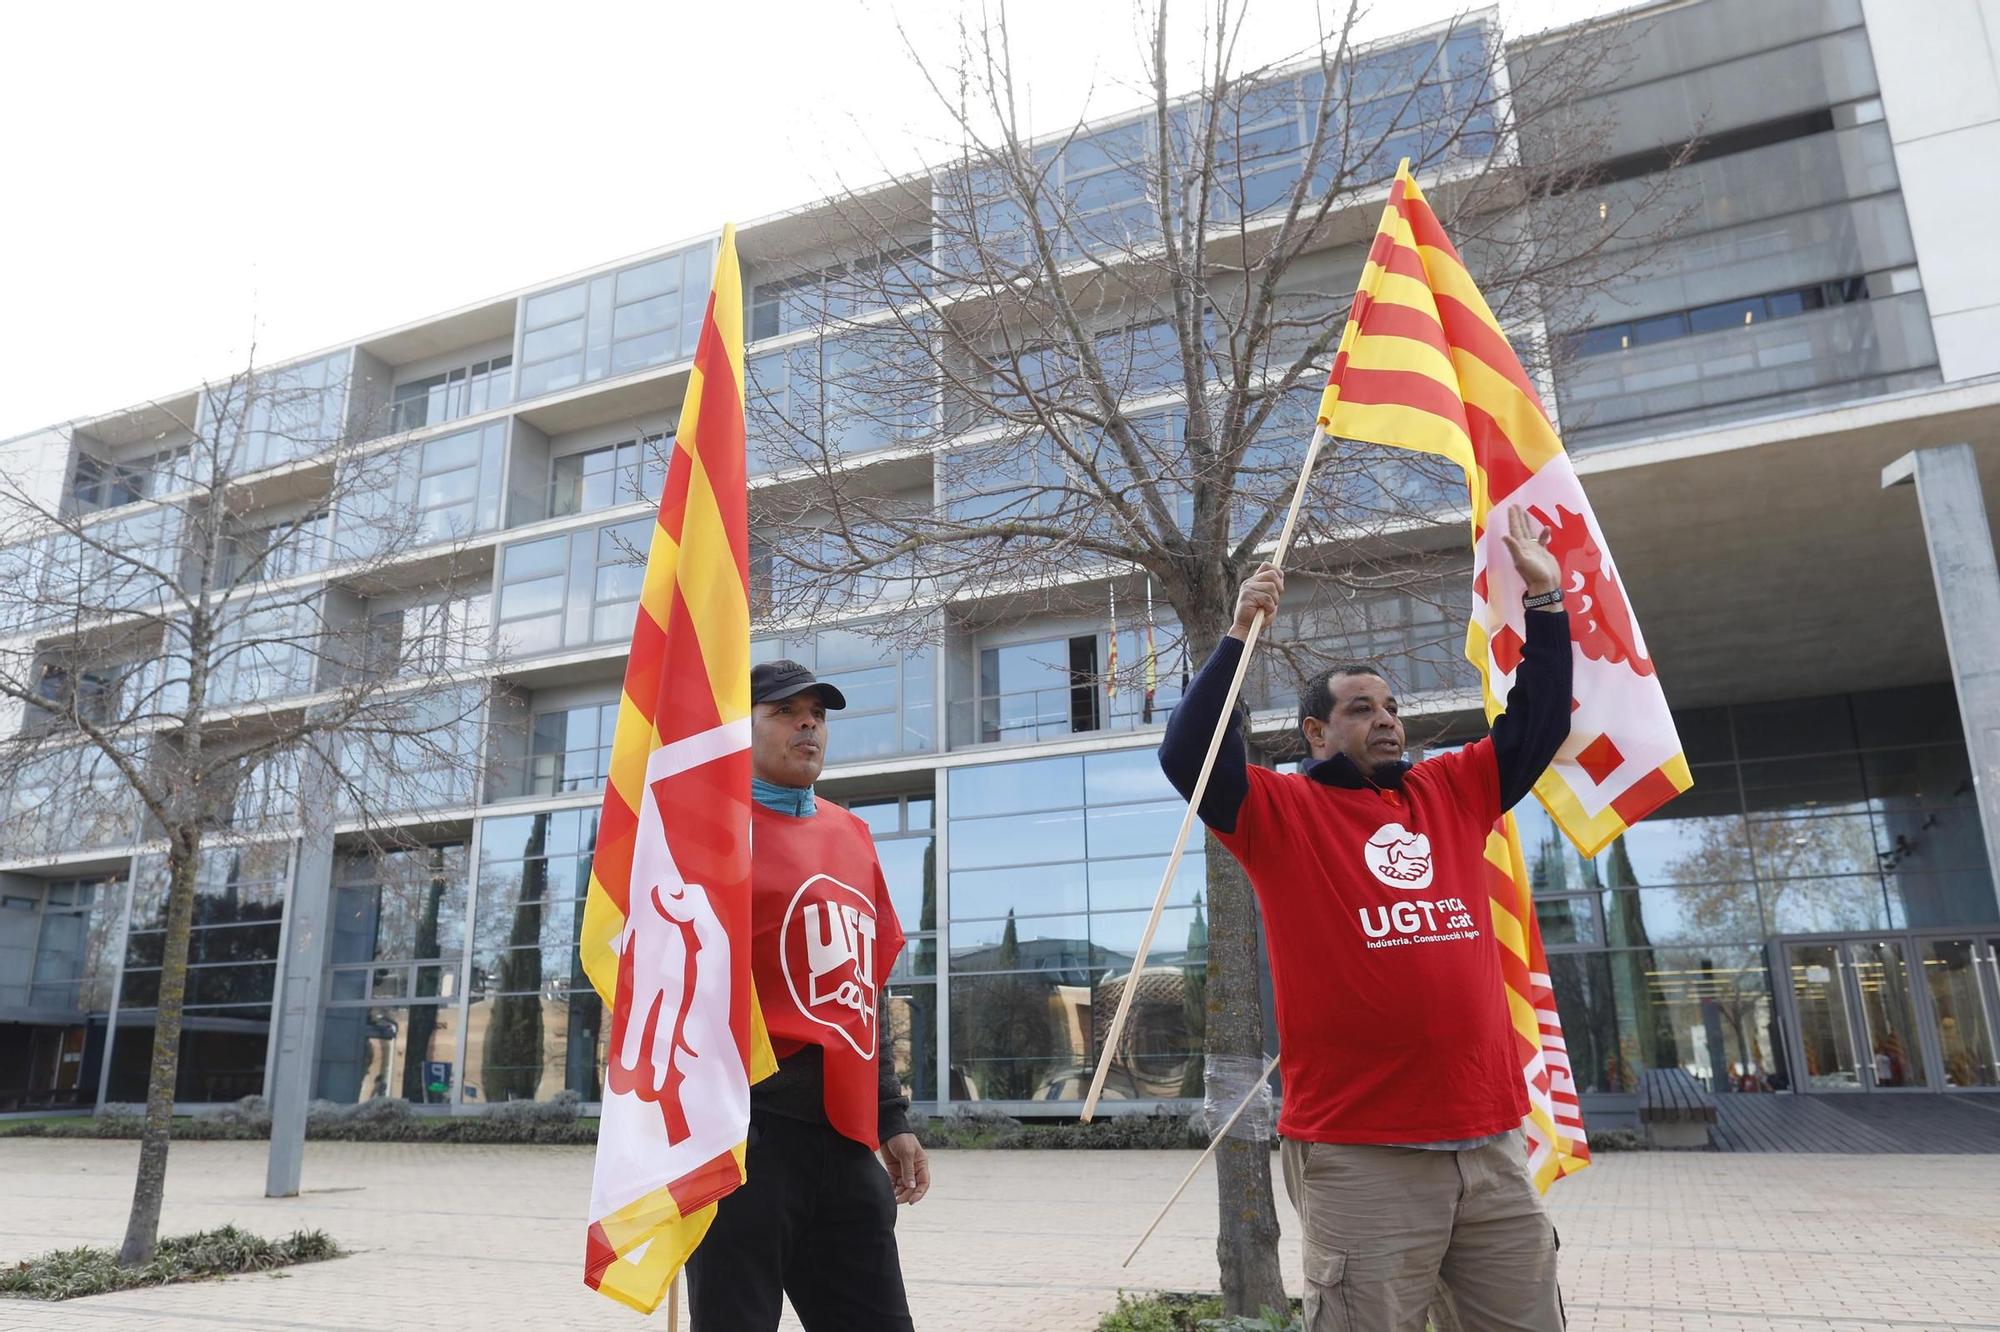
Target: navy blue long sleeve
1525, 737
1188, 732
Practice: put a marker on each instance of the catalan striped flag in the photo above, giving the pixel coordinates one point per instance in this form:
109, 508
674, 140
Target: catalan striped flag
666, 925
1422, 364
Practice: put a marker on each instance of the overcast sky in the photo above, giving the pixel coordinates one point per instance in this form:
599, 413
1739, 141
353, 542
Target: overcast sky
182, 180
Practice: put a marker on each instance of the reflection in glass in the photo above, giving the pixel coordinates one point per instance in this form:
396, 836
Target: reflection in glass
402, 1051
1826, 1040
1888, 1012
1825, 906
910, 1024
1716, 1003
1951, 970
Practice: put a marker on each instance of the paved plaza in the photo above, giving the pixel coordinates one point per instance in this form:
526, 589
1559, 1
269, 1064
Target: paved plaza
472, 1236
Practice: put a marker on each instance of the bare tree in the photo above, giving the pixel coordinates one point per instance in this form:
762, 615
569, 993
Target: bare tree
1119, 334
240, 623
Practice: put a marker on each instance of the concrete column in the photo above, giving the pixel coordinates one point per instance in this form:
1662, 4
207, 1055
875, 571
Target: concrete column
1968, 593
302, 984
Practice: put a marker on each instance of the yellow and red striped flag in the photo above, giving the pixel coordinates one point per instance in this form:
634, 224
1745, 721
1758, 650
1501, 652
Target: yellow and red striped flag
666, 925
1422, 364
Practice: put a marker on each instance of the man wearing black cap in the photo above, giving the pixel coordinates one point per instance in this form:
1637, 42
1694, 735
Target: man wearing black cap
815, 1218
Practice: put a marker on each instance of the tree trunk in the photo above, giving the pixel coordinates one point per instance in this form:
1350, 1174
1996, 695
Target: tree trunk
1246, 1245
142, 1229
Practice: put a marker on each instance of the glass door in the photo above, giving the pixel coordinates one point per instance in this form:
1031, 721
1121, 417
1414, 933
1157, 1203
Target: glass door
1894, 1053
1827, 1060
1963, 984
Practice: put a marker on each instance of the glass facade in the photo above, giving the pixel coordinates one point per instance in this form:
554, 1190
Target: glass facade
1849, 814
1051, 868
239, 907
399, 920
615, 323
534, 1025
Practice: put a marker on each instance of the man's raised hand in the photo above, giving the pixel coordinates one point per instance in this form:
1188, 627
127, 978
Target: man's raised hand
1257, 596
1530, 549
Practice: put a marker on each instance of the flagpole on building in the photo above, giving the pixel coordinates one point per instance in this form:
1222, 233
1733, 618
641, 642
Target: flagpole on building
1117, 1029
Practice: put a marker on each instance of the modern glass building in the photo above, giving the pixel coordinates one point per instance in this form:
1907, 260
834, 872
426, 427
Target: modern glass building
1817, 916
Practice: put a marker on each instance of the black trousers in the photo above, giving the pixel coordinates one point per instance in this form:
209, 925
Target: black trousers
815, 1221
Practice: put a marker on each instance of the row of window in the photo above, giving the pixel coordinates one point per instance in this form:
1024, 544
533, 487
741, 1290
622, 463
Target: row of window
1741, 312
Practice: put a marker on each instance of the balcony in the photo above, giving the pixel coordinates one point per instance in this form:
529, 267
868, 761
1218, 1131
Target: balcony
464, 391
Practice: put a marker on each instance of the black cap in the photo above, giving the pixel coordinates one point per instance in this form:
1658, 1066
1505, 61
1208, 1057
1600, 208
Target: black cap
774, 680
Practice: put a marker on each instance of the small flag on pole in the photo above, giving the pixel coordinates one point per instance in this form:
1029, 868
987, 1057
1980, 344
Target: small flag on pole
1422, 364
1111, 656
666, 923
1152, 656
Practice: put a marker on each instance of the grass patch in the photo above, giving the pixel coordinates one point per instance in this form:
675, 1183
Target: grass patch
69, 1273
1179, 1311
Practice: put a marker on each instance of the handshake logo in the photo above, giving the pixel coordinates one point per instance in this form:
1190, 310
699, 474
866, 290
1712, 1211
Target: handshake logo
1399, 857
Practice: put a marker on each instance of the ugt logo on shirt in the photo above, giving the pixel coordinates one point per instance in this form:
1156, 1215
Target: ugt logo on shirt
827, 949
1399, 857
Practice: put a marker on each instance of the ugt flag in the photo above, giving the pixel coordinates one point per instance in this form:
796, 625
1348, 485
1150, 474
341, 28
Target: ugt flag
1423, 364
666, 925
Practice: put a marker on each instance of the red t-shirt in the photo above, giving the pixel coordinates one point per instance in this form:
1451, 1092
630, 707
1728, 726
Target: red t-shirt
823, 936
1392, 1016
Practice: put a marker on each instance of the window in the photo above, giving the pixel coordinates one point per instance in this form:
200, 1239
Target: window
75, 961
101, 484
614, 323
275, 416
271, 552
442, 490
543, 1026
1053, 867
92, 692
399, 924
465, 391
1742, 312
417, 752
890, 692
845, 394
233, 945
264, 651
424, 638
794, 304
607, 477
1037, 691
570, 749
574, 589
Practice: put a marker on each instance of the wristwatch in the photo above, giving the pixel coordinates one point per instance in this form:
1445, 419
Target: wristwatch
1542, 602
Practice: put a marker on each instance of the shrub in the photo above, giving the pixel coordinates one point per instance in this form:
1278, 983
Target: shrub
68, 1273
1164, 1311
1179, 1311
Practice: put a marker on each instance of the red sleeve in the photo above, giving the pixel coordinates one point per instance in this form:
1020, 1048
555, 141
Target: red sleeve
1256, 814
1471, 776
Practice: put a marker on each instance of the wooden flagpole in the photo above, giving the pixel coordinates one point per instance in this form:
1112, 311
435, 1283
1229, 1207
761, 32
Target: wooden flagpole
1117, 1030
674, 1300
1214, 1140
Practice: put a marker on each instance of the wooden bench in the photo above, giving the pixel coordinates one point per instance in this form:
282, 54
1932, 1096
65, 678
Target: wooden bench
1675, 1110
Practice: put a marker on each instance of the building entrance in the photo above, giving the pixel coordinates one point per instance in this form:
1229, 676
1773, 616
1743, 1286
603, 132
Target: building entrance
1892, 1012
